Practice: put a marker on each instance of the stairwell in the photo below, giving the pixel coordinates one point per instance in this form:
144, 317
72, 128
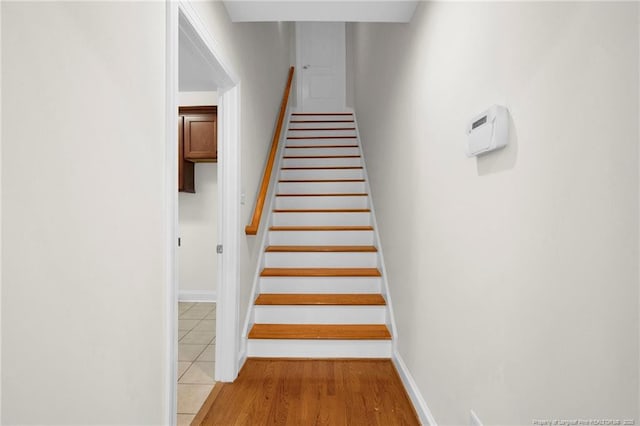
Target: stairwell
320, 292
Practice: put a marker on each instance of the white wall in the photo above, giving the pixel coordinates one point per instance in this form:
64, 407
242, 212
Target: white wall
198, 221
83, 164
514, 276
198, 98
260, 54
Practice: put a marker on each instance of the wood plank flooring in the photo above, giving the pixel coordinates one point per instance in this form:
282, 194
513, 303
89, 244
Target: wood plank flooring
312, 392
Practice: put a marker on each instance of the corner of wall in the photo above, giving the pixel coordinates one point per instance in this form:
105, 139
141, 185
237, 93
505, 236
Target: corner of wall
419, 404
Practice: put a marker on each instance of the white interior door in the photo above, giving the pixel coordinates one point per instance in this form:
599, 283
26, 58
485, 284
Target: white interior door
321, 66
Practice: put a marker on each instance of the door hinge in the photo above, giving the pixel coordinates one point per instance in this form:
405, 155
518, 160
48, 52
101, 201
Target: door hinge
219, 248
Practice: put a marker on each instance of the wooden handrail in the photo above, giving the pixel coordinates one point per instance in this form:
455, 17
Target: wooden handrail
252, 228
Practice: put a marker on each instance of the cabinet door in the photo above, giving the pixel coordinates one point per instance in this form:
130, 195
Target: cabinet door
186, 178
200, 137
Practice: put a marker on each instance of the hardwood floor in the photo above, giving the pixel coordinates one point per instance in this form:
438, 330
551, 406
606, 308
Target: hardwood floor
312, 392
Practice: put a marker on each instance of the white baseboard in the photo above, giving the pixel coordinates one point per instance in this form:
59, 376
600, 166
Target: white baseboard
197, 296
426, 418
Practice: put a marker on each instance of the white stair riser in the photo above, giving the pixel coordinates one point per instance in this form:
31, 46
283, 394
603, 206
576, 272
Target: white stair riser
322, 219
321, 133
320, 314
321, 285
288, 152
321, 117
275, 348
324, 238
321, 142
322, 202
321, 125
321, 260
321, 188
321, 174
322, 162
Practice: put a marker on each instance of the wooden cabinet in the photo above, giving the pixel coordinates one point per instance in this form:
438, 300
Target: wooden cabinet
200, 138
186, 169
197, 142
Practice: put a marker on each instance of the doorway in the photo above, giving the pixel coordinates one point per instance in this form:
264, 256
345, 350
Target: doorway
197, 227
321, 65
184, 21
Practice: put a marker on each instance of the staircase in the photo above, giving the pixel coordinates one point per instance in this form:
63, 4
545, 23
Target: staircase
320, 291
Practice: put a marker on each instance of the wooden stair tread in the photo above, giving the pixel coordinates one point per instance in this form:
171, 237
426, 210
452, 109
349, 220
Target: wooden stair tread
362, 299
323, 168
321, 146
320, 249
317, 129
353, 194
322, 121
319, 156
321, 113
321, 137
321, 228
323, 211
320, 272
319, 180
320, 331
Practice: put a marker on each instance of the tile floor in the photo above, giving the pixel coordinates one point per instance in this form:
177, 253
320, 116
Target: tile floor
196, 351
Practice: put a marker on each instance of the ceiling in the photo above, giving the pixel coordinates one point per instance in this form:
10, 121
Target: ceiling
323, 11
195, 69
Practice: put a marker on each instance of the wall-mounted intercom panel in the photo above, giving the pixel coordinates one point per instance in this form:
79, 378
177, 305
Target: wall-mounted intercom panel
488, 131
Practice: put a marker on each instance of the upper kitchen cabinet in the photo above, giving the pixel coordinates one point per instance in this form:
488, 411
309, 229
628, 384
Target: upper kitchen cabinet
200, 133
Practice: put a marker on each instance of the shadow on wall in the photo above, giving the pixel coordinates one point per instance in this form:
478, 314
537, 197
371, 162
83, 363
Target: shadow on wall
503, 159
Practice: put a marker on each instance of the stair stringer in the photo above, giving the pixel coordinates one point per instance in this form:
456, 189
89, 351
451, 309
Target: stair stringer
376, 236
266, 220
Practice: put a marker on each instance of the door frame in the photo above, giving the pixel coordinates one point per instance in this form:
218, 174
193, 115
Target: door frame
182, 17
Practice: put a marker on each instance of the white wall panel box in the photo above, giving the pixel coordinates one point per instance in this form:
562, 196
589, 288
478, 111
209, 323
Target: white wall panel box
488, 131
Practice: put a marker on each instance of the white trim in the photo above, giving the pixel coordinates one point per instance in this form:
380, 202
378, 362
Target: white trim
426, 418
171, 216
199, 34
262, 236
182, 17
227, 324
376, 236
197, 296
227, 329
